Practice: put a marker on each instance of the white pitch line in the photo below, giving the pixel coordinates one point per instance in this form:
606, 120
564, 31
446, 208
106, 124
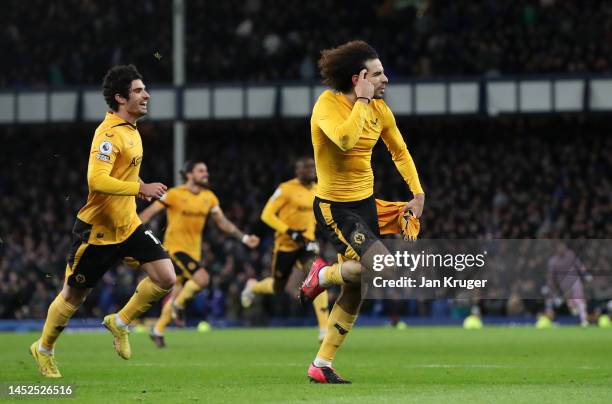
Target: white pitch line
484, 366
215, 365
416, 366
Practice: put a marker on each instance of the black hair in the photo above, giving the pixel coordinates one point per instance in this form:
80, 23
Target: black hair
118, 80
302, 160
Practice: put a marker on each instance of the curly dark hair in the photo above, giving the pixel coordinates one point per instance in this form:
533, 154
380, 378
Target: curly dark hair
118, 80
338, 65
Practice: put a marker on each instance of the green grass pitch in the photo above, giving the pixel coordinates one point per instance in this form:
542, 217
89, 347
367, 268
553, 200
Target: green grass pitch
419, 364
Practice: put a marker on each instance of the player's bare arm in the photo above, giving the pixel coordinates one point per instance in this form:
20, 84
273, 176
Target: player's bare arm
152, 190
415, 205
141, 196
230, 228
150, 211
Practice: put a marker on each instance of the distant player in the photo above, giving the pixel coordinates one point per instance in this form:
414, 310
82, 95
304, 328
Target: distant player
107, 228
188, 207
565, 282
346, 124
289, 212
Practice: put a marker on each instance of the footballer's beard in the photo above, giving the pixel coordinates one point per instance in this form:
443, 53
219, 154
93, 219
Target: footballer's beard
379, 94
202, 184
308, 179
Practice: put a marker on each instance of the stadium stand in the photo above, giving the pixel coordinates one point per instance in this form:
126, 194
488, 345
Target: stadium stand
255, 41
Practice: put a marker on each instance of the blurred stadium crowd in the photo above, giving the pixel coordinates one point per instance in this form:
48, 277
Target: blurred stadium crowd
256, 40
525, 177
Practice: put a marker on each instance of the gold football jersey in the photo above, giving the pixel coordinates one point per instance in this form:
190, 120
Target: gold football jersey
343, 136
290, 207
187, 214
112, 176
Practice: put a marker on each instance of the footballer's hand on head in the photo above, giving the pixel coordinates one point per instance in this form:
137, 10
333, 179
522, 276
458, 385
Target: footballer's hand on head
363, 88
153, 190
250, 240
415, 206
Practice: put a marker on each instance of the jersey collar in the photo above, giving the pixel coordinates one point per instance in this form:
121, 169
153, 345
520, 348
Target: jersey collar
115, 121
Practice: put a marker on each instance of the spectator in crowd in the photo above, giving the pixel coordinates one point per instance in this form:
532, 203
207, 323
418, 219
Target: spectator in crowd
72, 42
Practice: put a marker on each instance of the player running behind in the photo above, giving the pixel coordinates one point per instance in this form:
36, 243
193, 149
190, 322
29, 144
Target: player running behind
187, 208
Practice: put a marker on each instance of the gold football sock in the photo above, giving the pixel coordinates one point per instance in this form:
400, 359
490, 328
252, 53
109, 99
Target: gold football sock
189, 290
339, 324
145, 295
58, 315
165, 318
332, 275
321, 308
264, 287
